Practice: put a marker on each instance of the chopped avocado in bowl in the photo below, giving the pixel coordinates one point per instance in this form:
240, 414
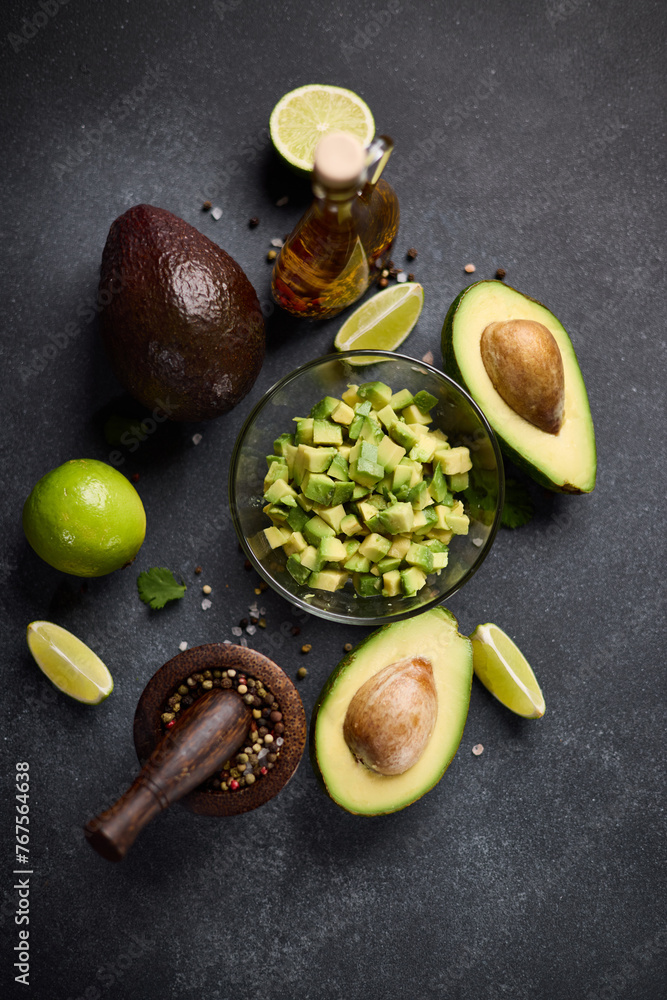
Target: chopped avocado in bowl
347, 487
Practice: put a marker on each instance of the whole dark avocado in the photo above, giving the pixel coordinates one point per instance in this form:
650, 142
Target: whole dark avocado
182, 326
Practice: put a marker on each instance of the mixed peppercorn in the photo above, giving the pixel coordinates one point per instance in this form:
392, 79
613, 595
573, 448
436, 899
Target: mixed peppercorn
265, 737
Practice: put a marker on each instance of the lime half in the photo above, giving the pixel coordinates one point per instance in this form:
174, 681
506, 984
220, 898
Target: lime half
69, 663
303, 116
505, 672
383, 321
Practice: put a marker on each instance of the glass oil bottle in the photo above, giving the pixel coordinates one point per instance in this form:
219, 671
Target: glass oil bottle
328, 260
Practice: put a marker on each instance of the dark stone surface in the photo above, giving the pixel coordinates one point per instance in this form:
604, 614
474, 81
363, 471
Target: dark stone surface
531, 871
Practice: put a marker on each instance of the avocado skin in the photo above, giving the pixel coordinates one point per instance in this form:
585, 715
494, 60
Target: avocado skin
451, 367
183, 328
330, 684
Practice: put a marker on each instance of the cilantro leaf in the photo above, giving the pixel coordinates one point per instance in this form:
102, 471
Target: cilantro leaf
158, 585
518, 508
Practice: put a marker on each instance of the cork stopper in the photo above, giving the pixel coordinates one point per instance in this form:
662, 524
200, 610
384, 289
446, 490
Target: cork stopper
340, 161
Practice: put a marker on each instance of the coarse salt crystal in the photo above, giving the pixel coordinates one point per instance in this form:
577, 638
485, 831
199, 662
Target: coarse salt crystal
276, 242
478, 749
428, 358
401, 276
262, 753
196, 438
244, 641
478, 542
251, 630
183, 646
279, 741
236, 630
216, 213
206, 604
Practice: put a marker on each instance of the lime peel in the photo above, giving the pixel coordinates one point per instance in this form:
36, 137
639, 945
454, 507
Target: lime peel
503, 669
68, 663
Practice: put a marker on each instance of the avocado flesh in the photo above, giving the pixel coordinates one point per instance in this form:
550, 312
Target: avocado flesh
433, 635
183, 327
564, 462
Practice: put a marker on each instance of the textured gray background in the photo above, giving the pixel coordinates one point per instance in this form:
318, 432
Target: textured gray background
536, 869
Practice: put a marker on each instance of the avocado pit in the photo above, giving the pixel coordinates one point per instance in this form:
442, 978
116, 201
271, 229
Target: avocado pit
390, 719
524, 363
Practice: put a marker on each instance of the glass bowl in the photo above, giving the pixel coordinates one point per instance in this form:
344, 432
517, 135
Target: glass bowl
293, 396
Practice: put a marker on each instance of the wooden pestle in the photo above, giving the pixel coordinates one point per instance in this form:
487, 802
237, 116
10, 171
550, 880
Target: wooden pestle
208, 733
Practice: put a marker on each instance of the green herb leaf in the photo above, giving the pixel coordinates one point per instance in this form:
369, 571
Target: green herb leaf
158, 585
518, 508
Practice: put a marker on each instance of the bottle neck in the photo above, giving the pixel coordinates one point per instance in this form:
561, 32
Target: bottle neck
339, 203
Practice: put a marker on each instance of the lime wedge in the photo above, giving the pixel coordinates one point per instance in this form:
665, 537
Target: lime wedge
69, 663
303, 116
383, 321
505, 672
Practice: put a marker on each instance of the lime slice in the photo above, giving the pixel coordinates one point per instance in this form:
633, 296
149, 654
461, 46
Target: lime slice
69, 663
505, 672
303, 116
383, 321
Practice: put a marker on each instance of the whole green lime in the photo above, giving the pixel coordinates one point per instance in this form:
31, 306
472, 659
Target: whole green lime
85, 518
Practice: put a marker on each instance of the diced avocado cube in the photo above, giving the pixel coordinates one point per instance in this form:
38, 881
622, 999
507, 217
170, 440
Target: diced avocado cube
343, 414
413, 415
304, 431
366, 510
332, 550
425, 401
328, 579
350, 525
366, 472
297, 570
374, 523
277, 512
360, 491
290, 456
375, 547
401, 398
454, 460
310, 558
384, 486
350, 395
357, 564
420, 556
438, 486
457, 521
339, 469
315, 529
441, 513
387, 416
402, 476
294, 544
332, 515
371, 431
324, 408
428, 519
440, 560
327, 433
354, 430
304, 502
434, 545
441, 534
279, 490
403, 435
297, 518
342, 493
459, 481
416, 471
351, 546
280, 442
399, 547
363, 449
419, 495
344, 451
412, 581
276, 536
377, 392
419, 430
423, 450
389, 453
391, 583
374, 570
367, 585
397, 519
318, 487
315, 459
388, 564
277, 470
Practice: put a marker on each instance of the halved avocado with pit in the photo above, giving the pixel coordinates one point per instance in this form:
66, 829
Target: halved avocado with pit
565, 461
432, 636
